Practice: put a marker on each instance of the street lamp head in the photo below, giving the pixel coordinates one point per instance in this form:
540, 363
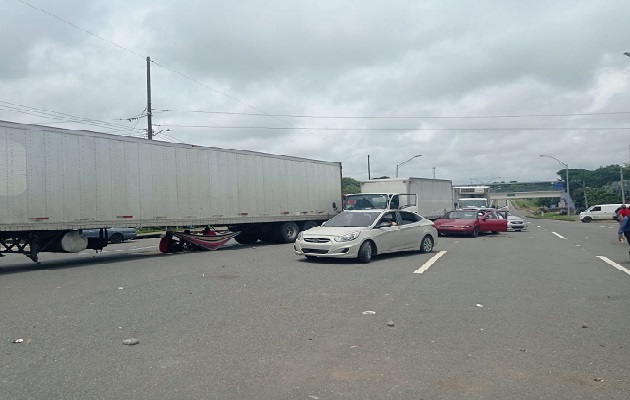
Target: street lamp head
403, 163
626, 54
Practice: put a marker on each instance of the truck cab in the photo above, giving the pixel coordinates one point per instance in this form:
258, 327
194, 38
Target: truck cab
471, 196
474, 202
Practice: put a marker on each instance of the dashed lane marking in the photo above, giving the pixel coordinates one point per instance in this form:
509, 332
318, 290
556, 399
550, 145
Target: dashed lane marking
429, 263
559, 235
614, 264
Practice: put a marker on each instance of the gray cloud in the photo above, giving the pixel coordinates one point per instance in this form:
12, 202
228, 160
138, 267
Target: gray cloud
357, 58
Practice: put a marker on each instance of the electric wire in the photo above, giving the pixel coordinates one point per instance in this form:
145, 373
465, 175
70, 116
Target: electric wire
309, 129
412, 116
396, 129
62, 117
170, 69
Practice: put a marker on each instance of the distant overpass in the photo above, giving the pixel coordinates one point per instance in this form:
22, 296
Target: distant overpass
526, 195
527, 190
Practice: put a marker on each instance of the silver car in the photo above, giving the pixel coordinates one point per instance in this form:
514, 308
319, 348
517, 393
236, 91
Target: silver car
516, 223
362, 234
114, 234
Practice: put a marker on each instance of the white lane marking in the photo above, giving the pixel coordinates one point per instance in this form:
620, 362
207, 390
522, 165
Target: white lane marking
142, 248
429, 263
614, 264
559, 235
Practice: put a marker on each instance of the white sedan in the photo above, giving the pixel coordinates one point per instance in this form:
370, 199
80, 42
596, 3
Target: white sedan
362, 234
516, 223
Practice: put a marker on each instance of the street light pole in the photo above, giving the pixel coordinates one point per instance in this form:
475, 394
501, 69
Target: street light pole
403, 163
566, 167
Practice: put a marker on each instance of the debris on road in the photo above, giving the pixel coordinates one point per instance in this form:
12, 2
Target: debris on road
369, 312
480, 305
18, 340
131, 342
390, 323
585, 326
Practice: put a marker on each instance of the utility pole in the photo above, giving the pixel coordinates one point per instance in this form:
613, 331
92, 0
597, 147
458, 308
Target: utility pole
149, 114
369, 177
623, 193
585, 197
433, 172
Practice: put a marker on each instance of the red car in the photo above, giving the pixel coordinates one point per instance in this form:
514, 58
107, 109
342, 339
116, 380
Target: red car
470, 222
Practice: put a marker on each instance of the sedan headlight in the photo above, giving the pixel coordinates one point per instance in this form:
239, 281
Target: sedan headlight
347, 237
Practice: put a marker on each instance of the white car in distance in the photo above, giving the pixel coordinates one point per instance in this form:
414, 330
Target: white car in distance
362, 234
516, 223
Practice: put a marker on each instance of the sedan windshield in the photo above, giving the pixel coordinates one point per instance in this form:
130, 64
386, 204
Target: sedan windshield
358, 219
461, 215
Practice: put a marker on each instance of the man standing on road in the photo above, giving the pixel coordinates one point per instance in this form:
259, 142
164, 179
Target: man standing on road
624, 229
623, 212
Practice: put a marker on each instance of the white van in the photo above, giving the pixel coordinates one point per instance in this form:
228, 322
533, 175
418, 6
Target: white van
599, 211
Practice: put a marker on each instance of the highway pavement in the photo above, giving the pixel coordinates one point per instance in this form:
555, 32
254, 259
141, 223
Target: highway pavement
539, 314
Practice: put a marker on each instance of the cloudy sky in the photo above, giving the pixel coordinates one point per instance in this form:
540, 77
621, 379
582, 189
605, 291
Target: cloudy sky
479, 89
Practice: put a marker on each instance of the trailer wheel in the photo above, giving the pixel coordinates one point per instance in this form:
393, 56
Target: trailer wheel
288, 232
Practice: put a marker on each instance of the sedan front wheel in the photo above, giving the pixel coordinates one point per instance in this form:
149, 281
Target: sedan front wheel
426, 245
117, 238
365, 253
475, 232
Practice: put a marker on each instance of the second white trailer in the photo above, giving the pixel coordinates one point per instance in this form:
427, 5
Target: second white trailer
434, 196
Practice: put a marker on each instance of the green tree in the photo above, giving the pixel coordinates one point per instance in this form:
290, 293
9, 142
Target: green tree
350, 186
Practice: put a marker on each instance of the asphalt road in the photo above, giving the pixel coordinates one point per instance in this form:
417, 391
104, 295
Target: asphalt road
519, 315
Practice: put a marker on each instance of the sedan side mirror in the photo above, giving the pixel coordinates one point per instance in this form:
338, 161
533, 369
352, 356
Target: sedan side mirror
384, 224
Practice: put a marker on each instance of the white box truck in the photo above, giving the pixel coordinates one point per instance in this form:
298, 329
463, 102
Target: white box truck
430, 198
55, 182
471, 196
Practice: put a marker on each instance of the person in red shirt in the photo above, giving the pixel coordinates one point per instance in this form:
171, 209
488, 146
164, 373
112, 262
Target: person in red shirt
623, 212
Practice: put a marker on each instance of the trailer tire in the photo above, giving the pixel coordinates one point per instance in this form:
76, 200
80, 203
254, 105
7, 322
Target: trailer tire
287, 232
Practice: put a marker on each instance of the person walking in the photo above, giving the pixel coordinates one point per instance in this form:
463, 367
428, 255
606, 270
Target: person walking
624, 230
623, 212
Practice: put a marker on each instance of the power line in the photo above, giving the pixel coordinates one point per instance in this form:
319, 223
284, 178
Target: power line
406, 117
62, 117
79, 28
170, 69
393, 129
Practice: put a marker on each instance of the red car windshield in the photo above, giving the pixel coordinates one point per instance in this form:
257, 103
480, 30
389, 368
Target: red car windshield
461, 215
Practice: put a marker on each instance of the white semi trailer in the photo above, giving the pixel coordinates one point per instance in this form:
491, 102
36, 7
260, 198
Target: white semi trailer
430, 198
55, 182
